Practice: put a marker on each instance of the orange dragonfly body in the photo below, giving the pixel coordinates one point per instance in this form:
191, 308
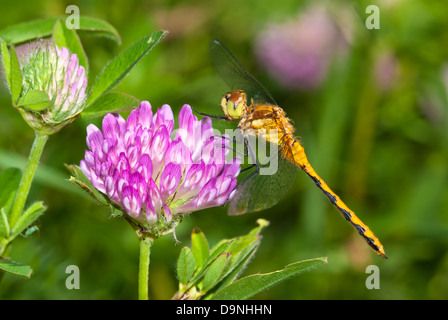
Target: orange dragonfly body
265, 119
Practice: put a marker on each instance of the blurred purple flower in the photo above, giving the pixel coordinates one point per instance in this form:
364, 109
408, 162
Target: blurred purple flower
298, 53
386, 70
153, 177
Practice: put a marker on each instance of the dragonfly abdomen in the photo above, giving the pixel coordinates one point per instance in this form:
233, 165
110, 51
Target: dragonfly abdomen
294, 152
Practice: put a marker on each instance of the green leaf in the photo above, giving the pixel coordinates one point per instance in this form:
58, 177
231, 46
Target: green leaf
9, 182
99, 28
215, 271
35, 100
28, 217
237, 264
15, 77
6, 60
185, 265
16, 268
4, 224
110, 102
80, 180
241, 249
241, 243
246, 287
199, 247
262, 223
240, 252
44, 27
68, 38
217, 268
215, 252
121, 65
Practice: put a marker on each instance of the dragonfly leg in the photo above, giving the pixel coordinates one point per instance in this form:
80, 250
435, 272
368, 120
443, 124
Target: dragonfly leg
237, 139
228, 147
222, 137
251, 152
219, 136
248, 168
208, 115
236, 151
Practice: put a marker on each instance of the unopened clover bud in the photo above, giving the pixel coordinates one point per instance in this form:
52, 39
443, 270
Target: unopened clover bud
53, 86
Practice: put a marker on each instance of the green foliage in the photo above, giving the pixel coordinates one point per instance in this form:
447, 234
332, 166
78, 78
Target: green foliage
44, 27
36, 100
15, 268
6, 61
110, 102
4, 224
15, 80
9, 180
68, 38
199, 247
117, 69
27, 218
250, 285
185, 265
211, 274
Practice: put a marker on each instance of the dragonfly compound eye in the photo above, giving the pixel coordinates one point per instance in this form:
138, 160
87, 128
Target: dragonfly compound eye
233, 105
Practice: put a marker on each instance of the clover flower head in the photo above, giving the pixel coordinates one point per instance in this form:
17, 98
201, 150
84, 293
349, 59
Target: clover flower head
57, 73
153, 177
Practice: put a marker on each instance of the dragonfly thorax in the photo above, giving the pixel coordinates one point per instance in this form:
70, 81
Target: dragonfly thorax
234, 104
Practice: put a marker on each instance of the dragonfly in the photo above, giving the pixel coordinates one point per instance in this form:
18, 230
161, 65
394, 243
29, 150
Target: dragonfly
264, 119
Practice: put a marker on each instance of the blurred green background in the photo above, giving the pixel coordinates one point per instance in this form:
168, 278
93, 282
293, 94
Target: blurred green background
375, 127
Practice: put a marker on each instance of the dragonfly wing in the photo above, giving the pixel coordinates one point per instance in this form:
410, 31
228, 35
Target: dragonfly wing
234, 74
261, 189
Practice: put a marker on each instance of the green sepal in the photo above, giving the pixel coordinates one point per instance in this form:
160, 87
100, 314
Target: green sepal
34, 100
68, 38
6, 61
80, 180
15, 80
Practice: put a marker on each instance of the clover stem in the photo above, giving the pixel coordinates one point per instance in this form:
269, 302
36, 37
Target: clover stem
143, 272
27, 177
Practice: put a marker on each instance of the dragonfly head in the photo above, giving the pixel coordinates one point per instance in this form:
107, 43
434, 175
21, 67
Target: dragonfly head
234, 104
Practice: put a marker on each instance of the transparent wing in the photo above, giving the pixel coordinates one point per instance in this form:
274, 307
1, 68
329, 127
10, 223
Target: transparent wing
256, 192
234, 74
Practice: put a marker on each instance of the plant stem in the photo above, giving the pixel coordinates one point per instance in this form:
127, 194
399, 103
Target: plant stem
27, 177
143, 272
